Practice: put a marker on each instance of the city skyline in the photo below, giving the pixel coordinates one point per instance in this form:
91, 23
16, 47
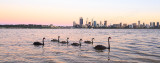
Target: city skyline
121, 25
64, 12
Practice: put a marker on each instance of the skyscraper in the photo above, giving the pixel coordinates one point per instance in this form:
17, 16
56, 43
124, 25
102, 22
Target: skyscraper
139, 24
92, 23
157, 24
105, 23
143, 24
154, 25
81, 21
134, 25
100, 23
87, 21
120, 25
95, 24
151, 24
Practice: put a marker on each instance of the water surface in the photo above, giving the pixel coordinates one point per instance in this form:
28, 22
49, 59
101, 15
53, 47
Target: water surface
127, 46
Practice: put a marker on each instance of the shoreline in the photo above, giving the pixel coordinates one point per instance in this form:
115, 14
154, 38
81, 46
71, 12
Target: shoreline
79, 28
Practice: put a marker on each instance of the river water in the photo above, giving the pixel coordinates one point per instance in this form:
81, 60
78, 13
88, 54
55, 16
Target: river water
127, 46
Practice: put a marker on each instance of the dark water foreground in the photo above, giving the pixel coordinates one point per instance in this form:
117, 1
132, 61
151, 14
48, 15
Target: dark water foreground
127, 46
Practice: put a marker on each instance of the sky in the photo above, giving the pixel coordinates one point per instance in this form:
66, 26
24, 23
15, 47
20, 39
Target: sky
64, 12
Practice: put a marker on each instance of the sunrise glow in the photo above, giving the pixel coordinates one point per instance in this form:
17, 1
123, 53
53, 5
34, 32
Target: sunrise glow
64, 12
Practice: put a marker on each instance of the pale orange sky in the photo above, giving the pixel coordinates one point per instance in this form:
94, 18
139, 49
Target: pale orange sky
64, 12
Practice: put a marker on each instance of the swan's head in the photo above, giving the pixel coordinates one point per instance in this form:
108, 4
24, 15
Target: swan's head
80, 40
109, 38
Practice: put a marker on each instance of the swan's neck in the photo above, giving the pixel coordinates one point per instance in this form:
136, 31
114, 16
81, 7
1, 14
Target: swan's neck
108, 44
58, 39
67, 40
43, 41
80, 43
92, 40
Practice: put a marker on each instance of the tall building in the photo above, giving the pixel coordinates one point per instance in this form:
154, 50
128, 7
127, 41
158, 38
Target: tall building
81, 21
134, 25
154, 25
105, 23
92, 23
139, 24
151, 24
120, 25
87, 21
147, 26
143, 24
95, 24
157, 24
100, 23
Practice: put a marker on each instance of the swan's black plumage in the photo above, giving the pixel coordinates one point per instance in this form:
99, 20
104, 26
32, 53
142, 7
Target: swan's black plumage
38, 43
77, 44
101, 47
55, 40
64, 42
89, 42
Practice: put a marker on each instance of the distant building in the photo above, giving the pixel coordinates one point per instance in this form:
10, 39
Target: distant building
144, 25
120, 25
100, 23
154, 25
139, 24
105, 23
134, 25
89, 23
116, 26
92, 23
81, 21
157, 24
95, 24
130, 26
147, 26
125, 26
151, 24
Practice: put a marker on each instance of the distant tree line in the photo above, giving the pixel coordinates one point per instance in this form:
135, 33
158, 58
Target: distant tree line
25, 26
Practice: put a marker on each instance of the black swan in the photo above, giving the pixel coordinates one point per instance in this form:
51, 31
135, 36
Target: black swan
64, 42
55, 40
38, 43
101, 47
89, 42
77, 44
